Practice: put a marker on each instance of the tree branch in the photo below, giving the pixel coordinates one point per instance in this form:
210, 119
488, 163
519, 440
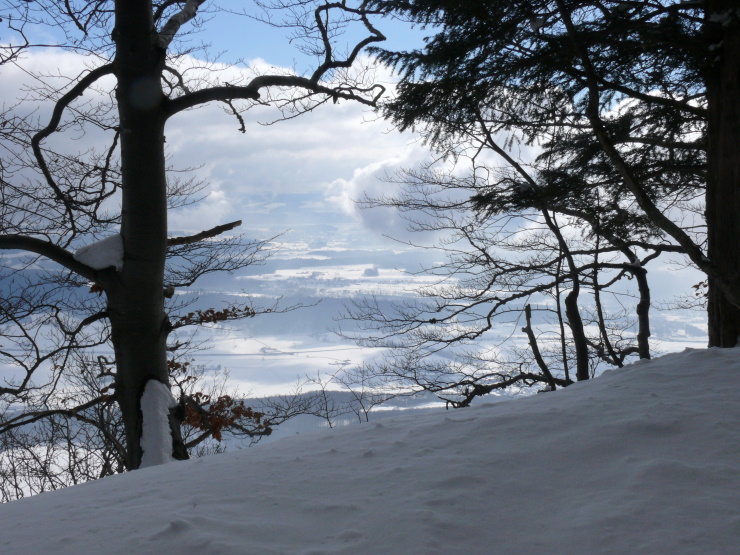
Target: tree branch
170, 29
329, 63
535, 348
47, 250
213, 232
31, 417
56, 117
251, 92
692, 250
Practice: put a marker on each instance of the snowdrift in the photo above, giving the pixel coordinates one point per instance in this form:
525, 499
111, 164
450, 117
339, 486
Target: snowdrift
641, 460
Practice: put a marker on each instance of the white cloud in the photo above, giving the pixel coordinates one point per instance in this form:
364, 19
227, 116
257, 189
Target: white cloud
214, 210
273, 176
301, 155
371, 182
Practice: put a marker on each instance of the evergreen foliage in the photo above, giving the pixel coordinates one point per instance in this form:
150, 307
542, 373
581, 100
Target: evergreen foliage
614, 97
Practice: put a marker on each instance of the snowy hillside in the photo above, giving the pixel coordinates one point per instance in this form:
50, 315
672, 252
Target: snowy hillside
640, 460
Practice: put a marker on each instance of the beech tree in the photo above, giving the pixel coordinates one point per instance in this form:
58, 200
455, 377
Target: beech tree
631, 105
53, 203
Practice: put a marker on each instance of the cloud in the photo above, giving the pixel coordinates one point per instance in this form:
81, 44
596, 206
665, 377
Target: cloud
300, 155
214, 210
273, 176
371, 181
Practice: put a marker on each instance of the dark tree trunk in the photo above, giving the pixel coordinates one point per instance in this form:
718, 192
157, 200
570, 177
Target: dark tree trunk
139, 325
723, 157
643, 313
561, 323
535, 348
572, 312
576, 327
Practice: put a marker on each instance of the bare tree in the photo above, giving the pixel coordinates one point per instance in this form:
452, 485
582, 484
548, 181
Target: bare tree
544, 269
363, 388
54, 202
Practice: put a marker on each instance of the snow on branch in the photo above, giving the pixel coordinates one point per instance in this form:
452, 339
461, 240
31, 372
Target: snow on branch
102, 254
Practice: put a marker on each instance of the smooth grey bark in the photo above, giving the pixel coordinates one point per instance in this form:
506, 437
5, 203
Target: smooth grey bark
139, 325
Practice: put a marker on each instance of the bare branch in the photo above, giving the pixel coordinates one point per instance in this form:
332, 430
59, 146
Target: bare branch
535, 348
48, 250
329, 61
31, 417
213, 232
170, 29
54, 121
251, 92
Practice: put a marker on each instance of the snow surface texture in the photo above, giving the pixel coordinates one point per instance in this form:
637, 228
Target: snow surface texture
156, 436
640, 460
102, 254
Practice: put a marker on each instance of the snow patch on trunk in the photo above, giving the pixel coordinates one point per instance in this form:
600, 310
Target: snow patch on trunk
156, 436
102, 254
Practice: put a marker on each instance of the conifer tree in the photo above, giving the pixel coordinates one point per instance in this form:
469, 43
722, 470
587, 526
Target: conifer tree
633, 106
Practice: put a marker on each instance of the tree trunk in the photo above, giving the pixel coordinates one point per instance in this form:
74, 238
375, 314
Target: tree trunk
723, 157
643, 313
139, 325
576, 327
572, 312
536, 349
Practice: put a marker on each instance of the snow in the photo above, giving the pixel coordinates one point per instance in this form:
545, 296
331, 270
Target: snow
156, 437
640, 460
102, 254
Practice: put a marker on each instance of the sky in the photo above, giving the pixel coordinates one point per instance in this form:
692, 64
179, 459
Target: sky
298, 179
641, 460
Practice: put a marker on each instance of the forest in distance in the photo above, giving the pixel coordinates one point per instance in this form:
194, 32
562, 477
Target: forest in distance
354, 208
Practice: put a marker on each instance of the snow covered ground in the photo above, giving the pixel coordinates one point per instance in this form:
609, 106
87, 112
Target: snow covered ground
639, 460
